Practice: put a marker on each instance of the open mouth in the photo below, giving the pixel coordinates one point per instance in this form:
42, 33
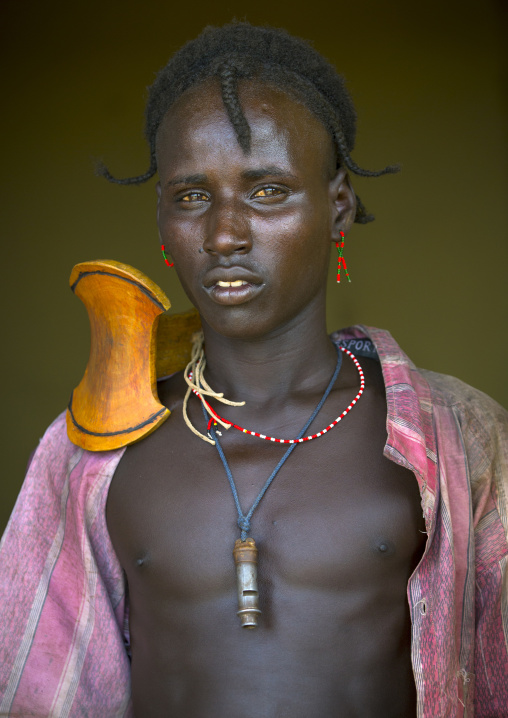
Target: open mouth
236, 283
232, 285
238, 291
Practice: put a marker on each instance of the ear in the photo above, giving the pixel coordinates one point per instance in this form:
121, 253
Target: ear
342, 203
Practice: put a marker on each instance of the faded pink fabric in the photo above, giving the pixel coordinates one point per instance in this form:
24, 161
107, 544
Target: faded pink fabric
62, 591
63, 624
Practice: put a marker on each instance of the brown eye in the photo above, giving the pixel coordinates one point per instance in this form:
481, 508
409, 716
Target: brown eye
268, 192
194, 197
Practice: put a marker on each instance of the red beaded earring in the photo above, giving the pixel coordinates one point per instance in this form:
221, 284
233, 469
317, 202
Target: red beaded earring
170, 264
341, 260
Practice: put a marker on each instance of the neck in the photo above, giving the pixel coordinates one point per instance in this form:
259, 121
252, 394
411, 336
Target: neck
258, 370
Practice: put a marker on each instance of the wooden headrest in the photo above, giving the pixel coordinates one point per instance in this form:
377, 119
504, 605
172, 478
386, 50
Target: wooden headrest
133, 342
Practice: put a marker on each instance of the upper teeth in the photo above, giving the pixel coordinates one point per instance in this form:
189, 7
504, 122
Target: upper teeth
236, 283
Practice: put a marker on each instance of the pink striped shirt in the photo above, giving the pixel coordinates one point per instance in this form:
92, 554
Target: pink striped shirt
63, 611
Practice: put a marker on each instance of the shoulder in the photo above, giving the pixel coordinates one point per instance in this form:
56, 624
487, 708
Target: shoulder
444, 407
450, 391
57, 460
476, 413
478, 427
445, 391
55, 447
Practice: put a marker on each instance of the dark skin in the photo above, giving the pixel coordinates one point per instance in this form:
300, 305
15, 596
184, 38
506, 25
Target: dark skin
340, 530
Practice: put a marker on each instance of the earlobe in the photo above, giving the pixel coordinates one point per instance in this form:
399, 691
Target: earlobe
343, 200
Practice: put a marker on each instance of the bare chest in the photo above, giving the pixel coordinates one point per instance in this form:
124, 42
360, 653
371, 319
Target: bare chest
339, 532
337, 516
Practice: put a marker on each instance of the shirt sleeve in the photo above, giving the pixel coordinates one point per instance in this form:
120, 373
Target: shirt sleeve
62, 590
487, 441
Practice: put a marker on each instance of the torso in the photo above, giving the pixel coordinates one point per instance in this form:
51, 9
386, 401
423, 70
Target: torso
339, 533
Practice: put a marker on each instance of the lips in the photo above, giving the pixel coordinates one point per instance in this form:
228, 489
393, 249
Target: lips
230, 275
232, 285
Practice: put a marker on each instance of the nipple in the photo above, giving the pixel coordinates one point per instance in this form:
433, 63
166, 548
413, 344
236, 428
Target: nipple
384, 547
245, 554
142, 560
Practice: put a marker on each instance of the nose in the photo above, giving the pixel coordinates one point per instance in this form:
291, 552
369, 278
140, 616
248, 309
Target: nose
227, 229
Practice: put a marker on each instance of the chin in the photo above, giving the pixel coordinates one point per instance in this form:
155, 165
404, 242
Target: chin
255, 319
234, 325
246, 325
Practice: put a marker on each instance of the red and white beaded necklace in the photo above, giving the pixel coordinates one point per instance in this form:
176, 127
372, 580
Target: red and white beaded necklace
200, 391
245, 551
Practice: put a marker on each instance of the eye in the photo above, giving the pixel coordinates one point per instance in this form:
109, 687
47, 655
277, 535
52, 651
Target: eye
268, 192
194, 197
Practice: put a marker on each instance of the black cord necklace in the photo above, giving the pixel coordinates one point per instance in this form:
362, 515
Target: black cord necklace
245, 551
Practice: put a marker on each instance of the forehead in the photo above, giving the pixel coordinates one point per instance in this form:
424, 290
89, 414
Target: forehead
281, 127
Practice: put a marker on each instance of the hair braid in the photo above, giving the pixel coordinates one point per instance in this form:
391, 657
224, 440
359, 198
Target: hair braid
229, 88
243, 51
102, 171
350, 163
330, 118
362, 216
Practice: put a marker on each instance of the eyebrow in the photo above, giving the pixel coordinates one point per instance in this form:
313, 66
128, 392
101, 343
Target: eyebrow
187, 179
255, 174
270, 171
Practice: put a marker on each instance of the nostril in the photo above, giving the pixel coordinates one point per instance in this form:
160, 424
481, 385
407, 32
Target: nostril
226, 244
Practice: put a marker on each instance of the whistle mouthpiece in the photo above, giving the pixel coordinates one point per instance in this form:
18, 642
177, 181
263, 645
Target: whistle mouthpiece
245, 554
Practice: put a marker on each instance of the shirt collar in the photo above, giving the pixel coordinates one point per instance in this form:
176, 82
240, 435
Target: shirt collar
411, 440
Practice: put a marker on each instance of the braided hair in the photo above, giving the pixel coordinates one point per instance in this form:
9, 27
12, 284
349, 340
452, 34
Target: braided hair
242, 51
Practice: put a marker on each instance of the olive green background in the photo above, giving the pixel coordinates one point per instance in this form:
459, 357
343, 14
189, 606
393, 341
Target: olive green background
429, 81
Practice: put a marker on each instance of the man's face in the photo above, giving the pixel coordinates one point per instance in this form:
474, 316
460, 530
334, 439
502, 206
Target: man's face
250, 234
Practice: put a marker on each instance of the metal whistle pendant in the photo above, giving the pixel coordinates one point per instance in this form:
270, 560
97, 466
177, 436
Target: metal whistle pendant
245, 554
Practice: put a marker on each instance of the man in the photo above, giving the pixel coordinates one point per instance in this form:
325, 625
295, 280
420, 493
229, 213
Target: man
378, 538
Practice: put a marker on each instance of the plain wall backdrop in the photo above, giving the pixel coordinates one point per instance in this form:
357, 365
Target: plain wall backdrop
429, 81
